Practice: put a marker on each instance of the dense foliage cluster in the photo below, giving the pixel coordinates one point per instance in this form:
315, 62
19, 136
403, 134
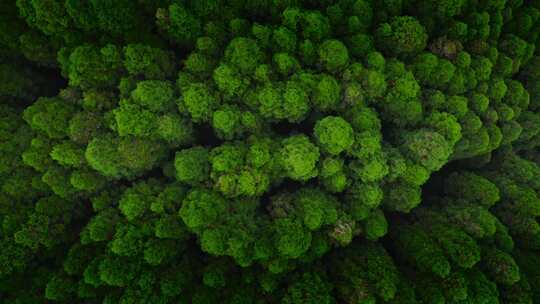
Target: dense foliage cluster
270, 151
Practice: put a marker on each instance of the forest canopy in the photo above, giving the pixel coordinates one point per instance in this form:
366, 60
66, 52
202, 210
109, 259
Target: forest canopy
270, 151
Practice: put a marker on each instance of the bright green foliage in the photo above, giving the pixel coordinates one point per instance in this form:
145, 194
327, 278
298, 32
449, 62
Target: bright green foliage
154, 95
317, 208
229, 81
152, 63
37, 154
333, 175
284, 39
242, 170
88, 66
175, 129
129, 156
83, 126
427, 148
289, 101
362, 198
136, 200
192, 165
375, 226
285, 64
199, 101
326, 93
292, 240
50, 116
333, 134
200, 208
244, 54
132, 119
363, 119
68, 154
404, 35
445, 124
227, 122
283, 151
298, 157
333, 55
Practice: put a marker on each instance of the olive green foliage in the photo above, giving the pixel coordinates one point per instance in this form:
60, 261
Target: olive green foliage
257, 151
